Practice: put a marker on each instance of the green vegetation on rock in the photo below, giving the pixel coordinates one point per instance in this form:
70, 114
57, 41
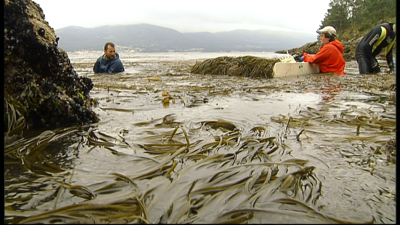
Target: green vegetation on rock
352, 20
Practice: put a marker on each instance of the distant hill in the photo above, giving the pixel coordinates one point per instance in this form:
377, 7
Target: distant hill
151, 38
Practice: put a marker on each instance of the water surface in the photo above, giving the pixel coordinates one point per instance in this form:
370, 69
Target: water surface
176, 147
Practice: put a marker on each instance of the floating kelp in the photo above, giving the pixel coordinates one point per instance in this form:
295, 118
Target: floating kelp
14, 116
241, 157
33, 152
255, 178
246, 66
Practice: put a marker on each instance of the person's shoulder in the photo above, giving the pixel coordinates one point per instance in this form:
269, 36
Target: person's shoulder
100, 57
118, 60
98, 61
337, 41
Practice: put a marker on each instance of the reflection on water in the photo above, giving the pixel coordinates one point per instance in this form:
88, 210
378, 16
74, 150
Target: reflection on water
176, 147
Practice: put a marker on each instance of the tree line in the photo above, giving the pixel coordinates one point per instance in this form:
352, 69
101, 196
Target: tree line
354, 18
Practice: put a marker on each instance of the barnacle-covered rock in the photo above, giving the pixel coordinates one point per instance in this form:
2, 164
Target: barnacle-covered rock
39, 80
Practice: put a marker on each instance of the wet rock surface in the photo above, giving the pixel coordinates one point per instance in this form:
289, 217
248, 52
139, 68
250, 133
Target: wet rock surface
41, 87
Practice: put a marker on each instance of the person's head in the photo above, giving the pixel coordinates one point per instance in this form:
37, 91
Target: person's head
109, 50
327, 34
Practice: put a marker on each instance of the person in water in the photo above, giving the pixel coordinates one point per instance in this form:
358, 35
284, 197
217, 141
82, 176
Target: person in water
109, 62
380, 37
330, 56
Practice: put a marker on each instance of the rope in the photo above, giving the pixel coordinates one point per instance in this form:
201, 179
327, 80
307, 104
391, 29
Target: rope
304, 73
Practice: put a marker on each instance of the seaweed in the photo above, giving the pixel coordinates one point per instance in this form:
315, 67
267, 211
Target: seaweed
246, 66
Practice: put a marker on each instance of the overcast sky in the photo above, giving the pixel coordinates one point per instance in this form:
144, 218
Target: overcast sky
189, 15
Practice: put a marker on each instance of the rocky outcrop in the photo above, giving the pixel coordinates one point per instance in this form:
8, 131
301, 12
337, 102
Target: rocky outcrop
41, 87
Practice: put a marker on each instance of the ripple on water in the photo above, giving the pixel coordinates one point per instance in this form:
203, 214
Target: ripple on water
248, 137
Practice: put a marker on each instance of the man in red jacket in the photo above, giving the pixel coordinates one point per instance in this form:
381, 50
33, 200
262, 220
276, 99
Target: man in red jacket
330, 56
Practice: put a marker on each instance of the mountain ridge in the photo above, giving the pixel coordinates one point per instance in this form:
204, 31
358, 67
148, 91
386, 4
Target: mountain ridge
152, 38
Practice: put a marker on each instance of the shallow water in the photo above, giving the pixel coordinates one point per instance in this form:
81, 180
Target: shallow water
211, 149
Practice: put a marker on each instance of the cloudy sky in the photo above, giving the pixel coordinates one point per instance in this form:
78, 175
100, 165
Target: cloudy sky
189, 15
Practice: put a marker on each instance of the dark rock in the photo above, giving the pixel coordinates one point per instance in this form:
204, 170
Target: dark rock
39, 80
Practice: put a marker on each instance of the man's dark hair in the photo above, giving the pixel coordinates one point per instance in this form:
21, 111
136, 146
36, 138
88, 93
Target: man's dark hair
108, 44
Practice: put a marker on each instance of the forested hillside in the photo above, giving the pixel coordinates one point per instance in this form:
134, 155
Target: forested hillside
354, 18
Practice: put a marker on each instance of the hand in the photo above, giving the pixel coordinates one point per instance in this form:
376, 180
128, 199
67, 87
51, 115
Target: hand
376, 69
297, 56
375, 66
301, 59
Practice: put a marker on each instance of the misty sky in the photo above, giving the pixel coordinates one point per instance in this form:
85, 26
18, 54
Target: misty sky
189, 15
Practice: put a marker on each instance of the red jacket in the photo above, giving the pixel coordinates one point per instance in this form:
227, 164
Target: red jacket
329, 58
